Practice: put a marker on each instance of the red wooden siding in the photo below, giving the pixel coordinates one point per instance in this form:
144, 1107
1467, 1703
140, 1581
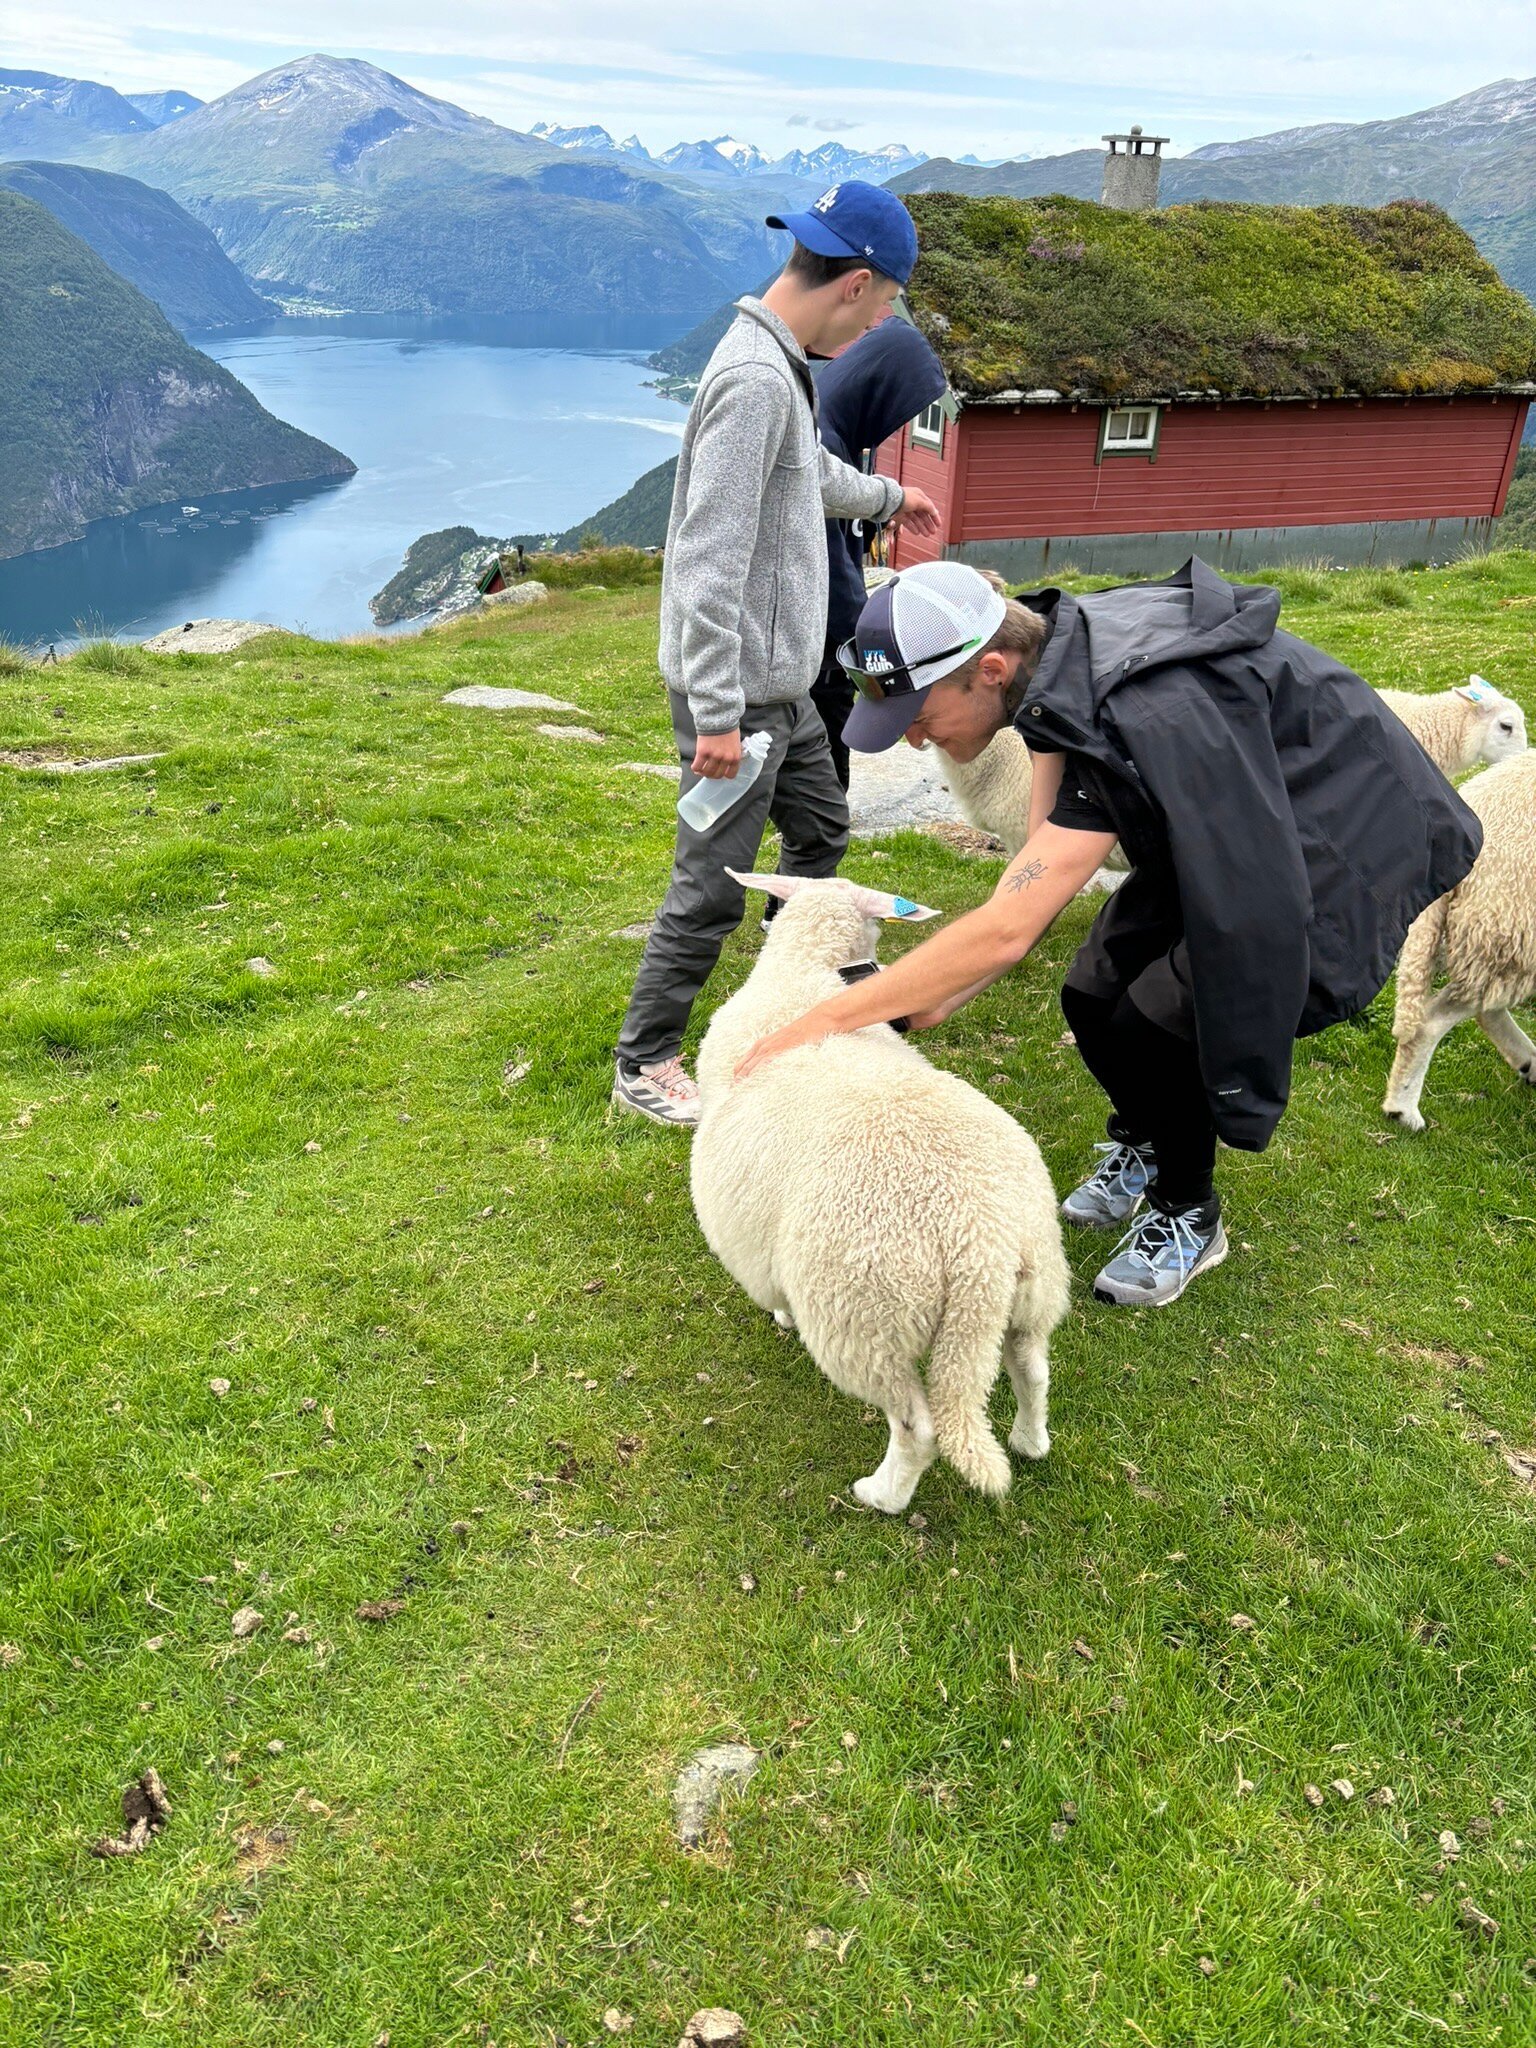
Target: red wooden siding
932, 470
1032, 473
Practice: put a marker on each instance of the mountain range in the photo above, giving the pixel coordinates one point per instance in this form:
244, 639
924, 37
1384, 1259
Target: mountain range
103, 407
331, 183
42, 114
725, 156
1472, 155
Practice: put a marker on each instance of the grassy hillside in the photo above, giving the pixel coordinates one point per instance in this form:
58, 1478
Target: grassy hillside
334, 1285
103, 407
146, 238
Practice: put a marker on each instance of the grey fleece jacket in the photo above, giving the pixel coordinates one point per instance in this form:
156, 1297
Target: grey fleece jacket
744, 588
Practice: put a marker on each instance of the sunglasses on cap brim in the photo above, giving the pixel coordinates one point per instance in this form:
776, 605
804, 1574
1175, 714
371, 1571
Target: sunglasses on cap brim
899, 679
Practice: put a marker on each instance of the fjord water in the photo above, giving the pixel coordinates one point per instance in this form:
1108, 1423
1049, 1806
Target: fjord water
509, 426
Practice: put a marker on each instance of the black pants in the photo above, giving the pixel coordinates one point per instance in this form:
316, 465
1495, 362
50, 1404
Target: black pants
832, 694
1152, 1077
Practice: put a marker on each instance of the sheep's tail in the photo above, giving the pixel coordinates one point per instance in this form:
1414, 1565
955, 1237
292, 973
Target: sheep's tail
1420, 957
962, 1367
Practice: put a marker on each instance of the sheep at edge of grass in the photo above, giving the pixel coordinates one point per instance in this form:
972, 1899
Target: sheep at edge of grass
1462, 727
1483, 932
884, 1209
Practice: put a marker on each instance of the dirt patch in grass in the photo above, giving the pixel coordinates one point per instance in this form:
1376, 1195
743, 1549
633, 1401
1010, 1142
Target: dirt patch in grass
258, 1850
962, 838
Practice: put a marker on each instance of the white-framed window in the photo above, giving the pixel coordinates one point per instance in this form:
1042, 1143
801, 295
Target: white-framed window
1129, 430
928, 427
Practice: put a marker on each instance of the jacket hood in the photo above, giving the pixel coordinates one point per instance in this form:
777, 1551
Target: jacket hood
1098, 640
885, 379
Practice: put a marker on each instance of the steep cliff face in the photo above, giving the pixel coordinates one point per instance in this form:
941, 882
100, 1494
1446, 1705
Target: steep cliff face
104, 408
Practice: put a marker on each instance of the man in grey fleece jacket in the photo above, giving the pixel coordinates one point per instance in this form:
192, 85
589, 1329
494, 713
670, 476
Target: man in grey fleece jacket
744, 606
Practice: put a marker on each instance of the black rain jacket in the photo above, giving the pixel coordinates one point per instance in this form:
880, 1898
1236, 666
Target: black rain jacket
885, 379
1303, 825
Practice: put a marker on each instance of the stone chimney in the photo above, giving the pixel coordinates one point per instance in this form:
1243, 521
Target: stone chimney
1131, 170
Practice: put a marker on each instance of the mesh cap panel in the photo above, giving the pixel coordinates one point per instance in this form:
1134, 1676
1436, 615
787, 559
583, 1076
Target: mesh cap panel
939, 606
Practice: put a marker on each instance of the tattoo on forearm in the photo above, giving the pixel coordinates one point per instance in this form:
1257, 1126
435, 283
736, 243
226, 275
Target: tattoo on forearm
1030, 872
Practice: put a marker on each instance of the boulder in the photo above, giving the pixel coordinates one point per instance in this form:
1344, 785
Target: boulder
207, 636
531, 592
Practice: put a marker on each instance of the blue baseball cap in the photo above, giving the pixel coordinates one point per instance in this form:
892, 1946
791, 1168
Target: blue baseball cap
856, 219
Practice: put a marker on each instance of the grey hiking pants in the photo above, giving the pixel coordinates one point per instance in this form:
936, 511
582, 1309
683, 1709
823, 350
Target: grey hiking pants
798, 790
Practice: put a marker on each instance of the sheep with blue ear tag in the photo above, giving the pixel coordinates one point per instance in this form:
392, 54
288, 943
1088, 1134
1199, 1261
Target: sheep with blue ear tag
1472, 725
884, 1209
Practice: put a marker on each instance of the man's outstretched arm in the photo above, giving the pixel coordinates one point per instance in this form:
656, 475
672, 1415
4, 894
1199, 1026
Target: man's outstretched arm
932, 980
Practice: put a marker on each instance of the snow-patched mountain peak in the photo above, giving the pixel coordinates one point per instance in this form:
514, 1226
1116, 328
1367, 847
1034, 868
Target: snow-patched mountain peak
744, 156
339, 91
30, 94
589, 137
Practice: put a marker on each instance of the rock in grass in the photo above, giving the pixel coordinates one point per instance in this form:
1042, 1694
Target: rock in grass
703, 1782
245, 1621
714, 2027
1476, 1921
572, 732
207, 636
484, 697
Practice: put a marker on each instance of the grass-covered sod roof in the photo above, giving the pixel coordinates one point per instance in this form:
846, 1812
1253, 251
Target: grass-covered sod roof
1240, 301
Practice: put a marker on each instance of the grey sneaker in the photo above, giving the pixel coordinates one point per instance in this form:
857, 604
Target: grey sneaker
659, 1089
1114, 1191
1158, 1257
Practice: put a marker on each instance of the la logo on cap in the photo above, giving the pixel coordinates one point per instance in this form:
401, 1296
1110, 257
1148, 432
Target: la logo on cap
827, 200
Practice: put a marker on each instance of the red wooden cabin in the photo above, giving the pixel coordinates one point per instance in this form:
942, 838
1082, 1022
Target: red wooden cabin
1031, 478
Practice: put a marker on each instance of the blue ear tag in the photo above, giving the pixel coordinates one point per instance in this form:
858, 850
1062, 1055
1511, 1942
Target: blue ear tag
903, 906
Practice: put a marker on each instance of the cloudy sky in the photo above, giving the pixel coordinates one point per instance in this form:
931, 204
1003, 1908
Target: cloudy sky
997, 78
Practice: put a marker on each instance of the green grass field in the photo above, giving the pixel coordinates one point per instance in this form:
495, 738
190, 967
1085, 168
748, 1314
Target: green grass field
1020, 1758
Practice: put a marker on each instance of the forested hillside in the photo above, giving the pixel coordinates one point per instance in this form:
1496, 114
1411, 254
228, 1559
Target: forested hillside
147, 238
103, 406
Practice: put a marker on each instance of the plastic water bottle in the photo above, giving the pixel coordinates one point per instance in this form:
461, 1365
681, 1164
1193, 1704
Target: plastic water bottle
711, 797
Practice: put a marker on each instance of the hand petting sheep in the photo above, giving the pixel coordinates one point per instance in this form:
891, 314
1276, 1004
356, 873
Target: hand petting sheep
884, 1209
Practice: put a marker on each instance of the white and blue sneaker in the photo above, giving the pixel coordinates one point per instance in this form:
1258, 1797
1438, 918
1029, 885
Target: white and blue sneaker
1116, 1188
1159, 1255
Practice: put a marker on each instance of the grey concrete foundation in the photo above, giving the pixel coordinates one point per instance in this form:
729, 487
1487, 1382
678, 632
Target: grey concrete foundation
1382, 544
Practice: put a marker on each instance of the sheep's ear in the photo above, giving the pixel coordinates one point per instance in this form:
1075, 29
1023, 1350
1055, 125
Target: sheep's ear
1477, 690
782, 886
901, 909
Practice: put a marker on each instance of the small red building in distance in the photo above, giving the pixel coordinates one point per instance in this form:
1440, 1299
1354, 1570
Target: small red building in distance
1251, 384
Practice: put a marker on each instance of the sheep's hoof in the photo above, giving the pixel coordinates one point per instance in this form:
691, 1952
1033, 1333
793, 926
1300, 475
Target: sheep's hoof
784, 1319
1029, 1442
1408, 1118
872, 1493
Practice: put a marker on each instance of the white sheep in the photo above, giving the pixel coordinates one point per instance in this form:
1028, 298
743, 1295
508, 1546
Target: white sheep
884, 1209
1461, 727
993, 794
1484, 934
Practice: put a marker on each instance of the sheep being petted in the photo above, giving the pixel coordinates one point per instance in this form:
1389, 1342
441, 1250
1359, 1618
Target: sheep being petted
881, 1207
1461, 727
993, 791
1483, 933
